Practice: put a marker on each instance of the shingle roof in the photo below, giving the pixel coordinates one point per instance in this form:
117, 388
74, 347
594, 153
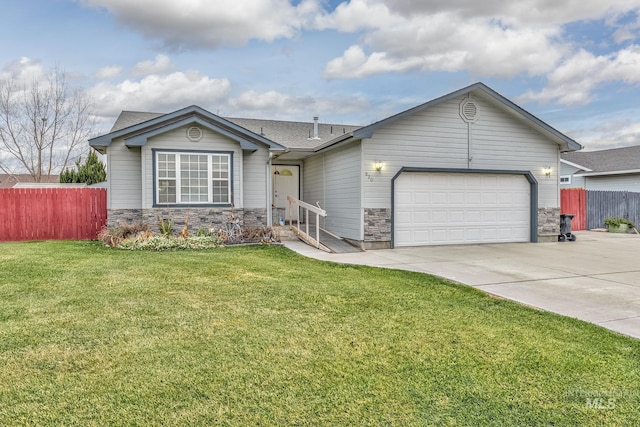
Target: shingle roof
294, 134
130, 118
288, 134
614, 159
8, 181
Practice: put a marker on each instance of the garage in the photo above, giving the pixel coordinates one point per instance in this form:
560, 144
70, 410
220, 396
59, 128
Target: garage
444, 208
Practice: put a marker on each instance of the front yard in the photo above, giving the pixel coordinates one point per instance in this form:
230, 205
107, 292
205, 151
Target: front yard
262, 336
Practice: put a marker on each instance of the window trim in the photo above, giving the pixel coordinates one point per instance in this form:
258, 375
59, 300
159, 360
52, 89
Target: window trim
568, 179
154, 156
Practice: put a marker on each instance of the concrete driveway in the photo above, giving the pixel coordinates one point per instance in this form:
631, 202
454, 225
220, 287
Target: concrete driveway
596, 278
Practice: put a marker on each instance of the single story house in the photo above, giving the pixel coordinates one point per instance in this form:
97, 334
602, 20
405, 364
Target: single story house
616, 169
468, 167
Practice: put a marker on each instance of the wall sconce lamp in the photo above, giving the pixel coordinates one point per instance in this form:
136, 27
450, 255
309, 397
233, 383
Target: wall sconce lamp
547, 171
378, 165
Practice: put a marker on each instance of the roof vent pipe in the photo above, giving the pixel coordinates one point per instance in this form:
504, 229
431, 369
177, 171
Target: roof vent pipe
315, 127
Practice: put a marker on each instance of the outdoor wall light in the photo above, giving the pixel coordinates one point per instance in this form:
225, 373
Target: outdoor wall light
547, 171
378, 165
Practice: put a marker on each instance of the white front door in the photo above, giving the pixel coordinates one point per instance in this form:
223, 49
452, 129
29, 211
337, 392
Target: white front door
286, 182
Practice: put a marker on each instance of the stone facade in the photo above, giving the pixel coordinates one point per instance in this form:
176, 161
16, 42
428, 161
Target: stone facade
548, 224
377, 228
116, 217
199, 218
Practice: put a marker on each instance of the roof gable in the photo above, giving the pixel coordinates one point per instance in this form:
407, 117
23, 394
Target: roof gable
480, 89
137, 134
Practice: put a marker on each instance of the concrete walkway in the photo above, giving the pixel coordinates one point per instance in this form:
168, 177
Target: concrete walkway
596, 278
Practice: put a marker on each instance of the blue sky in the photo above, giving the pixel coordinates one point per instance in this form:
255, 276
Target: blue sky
575, 64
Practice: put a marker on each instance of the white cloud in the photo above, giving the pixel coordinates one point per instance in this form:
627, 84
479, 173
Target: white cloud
278, 105
193, 24
109, 72
531, 12
160, 93
575, 80
161, 64
614, 133
487, 39
24, 71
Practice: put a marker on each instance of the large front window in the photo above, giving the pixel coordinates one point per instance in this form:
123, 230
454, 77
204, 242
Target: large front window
193, 178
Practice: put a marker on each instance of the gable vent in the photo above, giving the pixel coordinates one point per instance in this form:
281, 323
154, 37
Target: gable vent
469, 110
194, 134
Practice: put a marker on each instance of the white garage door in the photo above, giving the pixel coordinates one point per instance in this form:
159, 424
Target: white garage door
437, 208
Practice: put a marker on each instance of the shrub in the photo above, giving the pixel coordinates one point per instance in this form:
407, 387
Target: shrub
167, 243
139, 237
260, 235
615, 222
165, 226
114, 236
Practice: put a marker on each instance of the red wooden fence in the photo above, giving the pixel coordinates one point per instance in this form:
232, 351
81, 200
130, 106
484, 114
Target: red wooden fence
52, 213
574, 201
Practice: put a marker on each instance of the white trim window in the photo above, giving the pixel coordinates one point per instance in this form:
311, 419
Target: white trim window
193, 178
565, 179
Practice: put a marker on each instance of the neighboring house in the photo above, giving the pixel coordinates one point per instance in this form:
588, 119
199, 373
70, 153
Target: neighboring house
616, 169
49, 185
468, 167
17, 180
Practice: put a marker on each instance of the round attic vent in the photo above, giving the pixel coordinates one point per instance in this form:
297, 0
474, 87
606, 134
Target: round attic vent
194, 134
469, 110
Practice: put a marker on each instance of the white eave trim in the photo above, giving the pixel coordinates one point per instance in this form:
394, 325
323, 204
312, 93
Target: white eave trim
575, 165
624, 172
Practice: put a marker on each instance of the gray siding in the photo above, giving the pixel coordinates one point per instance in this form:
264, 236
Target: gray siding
576, 181
333, 179
255, 176
124, 179
176, 140
438, 138
614, 183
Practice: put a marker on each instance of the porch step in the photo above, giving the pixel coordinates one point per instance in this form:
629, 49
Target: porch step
285, 232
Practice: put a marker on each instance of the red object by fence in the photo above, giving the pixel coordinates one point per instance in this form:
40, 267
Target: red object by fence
52, 213
574, 201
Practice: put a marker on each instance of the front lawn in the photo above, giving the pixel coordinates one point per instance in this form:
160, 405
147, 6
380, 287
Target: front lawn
262, 336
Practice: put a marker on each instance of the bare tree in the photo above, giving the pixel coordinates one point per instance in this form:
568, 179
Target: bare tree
43, 127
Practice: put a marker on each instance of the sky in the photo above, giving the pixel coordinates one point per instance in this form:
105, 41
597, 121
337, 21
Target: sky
575, 64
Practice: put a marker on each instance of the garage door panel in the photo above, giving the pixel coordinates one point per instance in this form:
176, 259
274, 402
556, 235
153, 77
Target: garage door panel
458, 208
437, 217
439, 198
488, 216
421, 218
421, 198
456, 216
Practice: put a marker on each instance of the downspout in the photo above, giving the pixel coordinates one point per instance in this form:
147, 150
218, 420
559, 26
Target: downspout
269, 191
469, 140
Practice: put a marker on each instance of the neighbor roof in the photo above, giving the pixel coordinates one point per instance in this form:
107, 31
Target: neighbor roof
625, 159
9, 180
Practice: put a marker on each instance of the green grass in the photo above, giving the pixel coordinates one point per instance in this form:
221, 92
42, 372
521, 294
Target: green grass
262, 336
